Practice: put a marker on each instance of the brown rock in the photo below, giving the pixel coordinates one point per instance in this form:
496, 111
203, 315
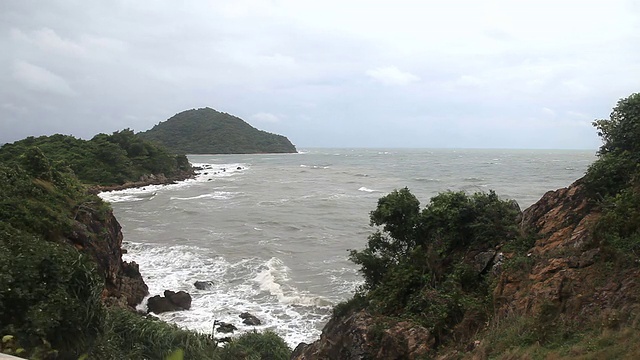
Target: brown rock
356, 336
99, 236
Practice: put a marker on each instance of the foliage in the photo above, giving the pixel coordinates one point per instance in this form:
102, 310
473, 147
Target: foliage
127, 335
614, 180
619, 156
104, 160
256, 346
207, 131
47, 291
43, 198
421, 264
619, 226
50, 293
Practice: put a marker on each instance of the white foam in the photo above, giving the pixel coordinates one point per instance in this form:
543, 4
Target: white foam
216, 195
272, 279
365, 189
261, 287
207, 172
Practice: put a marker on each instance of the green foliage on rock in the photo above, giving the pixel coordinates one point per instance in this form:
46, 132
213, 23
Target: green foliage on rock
47, 291
104, 160
432, 266
618, 164
256, 346
614, 179
207, 131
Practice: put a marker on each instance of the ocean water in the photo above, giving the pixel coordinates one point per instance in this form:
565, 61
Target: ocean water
272, 232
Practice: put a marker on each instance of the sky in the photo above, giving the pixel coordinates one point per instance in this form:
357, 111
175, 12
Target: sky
350, 73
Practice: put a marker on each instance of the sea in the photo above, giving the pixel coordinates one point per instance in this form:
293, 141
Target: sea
271, 232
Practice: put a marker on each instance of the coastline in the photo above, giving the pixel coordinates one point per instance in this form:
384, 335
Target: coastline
145, 181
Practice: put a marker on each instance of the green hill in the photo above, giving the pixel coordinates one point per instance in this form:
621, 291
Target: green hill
207, 131
105, 159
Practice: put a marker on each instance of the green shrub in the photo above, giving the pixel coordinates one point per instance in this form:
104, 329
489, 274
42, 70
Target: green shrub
127, 335
416, 265
47, 291
256, 346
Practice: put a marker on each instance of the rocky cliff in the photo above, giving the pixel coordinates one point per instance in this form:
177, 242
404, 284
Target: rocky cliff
566, 276
99, 235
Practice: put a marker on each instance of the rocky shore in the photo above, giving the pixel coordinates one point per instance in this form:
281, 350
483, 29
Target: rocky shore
159, 179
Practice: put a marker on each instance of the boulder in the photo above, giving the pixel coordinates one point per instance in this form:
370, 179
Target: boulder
171, 301
203, 285
224, 327
181, 299
249, 319
357, 335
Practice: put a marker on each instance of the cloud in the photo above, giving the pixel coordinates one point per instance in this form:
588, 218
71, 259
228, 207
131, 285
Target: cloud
48, 39
40, 79
265, 117
391, 75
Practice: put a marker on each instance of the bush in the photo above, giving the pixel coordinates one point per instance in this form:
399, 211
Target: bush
256, 346
47, 291
127, 335
614, 180
416, 264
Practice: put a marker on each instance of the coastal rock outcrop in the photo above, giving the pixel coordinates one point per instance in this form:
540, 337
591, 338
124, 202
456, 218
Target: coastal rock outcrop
171, 301
359, 335
560, 271
99, 235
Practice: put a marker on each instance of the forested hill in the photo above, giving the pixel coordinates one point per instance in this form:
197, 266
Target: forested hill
207, 131
105, 160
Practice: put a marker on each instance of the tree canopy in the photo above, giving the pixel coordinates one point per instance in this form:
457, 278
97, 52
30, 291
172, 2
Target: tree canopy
103, 160
619, 156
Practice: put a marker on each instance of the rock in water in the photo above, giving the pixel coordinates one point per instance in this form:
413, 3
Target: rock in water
249, 319
171, 301
226, 328
181, 299
203, 285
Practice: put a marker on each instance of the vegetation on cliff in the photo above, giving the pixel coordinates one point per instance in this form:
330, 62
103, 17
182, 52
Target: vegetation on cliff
60, 265
614, 179
105, 159
432, 267
207, 131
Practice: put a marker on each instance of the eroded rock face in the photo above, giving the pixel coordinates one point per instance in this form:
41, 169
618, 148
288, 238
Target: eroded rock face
99, 236
565, 269
358, 335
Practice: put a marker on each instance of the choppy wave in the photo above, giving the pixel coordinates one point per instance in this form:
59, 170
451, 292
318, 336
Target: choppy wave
217, 195
260, 287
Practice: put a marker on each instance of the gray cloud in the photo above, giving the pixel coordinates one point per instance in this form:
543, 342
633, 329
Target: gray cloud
471, 74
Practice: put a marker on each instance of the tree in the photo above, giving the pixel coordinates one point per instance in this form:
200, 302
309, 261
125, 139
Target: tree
619, 156
451, 223
621, 132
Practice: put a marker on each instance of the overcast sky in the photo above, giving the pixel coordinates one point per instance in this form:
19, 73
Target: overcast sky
464, 74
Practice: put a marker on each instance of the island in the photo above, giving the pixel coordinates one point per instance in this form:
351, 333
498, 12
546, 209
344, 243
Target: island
207, 131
